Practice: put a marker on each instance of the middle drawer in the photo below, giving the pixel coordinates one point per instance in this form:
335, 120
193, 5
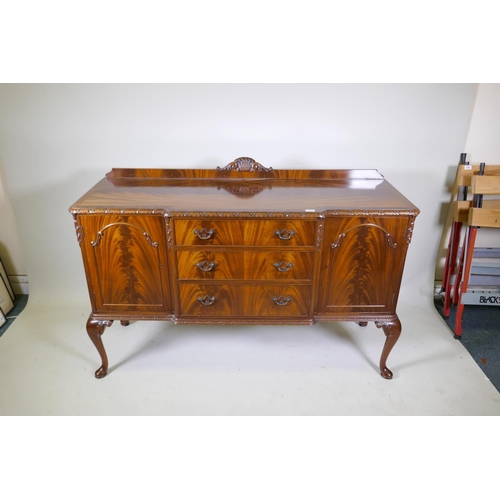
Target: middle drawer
244, 265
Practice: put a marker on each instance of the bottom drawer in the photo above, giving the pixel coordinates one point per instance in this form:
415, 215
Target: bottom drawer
244, 300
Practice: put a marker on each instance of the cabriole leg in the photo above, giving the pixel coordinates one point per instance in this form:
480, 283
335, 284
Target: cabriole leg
95, 329
392, 330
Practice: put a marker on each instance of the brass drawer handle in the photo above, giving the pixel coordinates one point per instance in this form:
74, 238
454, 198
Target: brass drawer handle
284, 234
205, 266
283, 267
207, 301
282, 301
204, 234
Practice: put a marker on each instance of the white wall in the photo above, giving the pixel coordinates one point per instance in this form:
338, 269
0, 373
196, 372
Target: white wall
483, 139
10, 246
56, 141
482, 145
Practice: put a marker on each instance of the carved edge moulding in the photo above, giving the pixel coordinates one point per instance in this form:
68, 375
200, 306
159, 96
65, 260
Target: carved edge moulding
248, 215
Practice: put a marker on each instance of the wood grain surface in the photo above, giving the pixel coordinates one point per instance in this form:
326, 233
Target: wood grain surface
246, 232
244, 265
245, 300
361, 263
299, 191
126, 262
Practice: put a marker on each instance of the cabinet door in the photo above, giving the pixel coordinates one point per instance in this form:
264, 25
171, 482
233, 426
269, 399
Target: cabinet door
125, 260
362, 263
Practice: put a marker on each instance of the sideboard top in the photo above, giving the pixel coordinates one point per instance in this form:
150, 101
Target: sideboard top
242, 186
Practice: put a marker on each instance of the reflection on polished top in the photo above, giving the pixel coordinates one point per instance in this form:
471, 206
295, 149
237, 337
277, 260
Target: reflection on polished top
243, 186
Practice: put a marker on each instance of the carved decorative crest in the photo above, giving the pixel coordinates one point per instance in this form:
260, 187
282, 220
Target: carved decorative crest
245, 164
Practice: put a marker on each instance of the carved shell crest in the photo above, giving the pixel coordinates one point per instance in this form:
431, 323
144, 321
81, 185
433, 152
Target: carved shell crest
245, 164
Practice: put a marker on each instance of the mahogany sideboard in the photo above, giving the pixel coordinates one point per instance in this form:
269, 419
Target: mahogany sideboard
244, 244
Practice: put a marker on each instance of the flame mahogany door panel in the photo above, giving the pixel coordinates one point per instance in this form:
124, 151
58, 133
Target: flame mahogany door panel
361, 265
125, 257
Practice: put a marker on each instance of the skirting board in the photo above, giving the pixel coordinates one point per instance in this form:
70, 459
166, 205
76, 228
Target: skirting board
20, 284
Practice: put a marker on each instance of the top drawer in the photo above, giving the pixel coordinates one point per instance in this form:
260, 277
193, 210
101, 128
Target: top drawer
266, 232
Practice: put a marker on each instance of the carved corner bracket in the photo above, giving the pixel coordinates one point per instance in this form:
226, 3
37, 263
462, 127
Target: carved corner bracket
79, 230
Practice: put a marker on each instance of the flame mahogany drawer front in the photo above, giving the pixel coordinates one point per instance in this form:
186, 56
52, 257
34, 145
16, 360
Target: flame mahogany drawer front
230, 301
244, 265
244, 244
267, 232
